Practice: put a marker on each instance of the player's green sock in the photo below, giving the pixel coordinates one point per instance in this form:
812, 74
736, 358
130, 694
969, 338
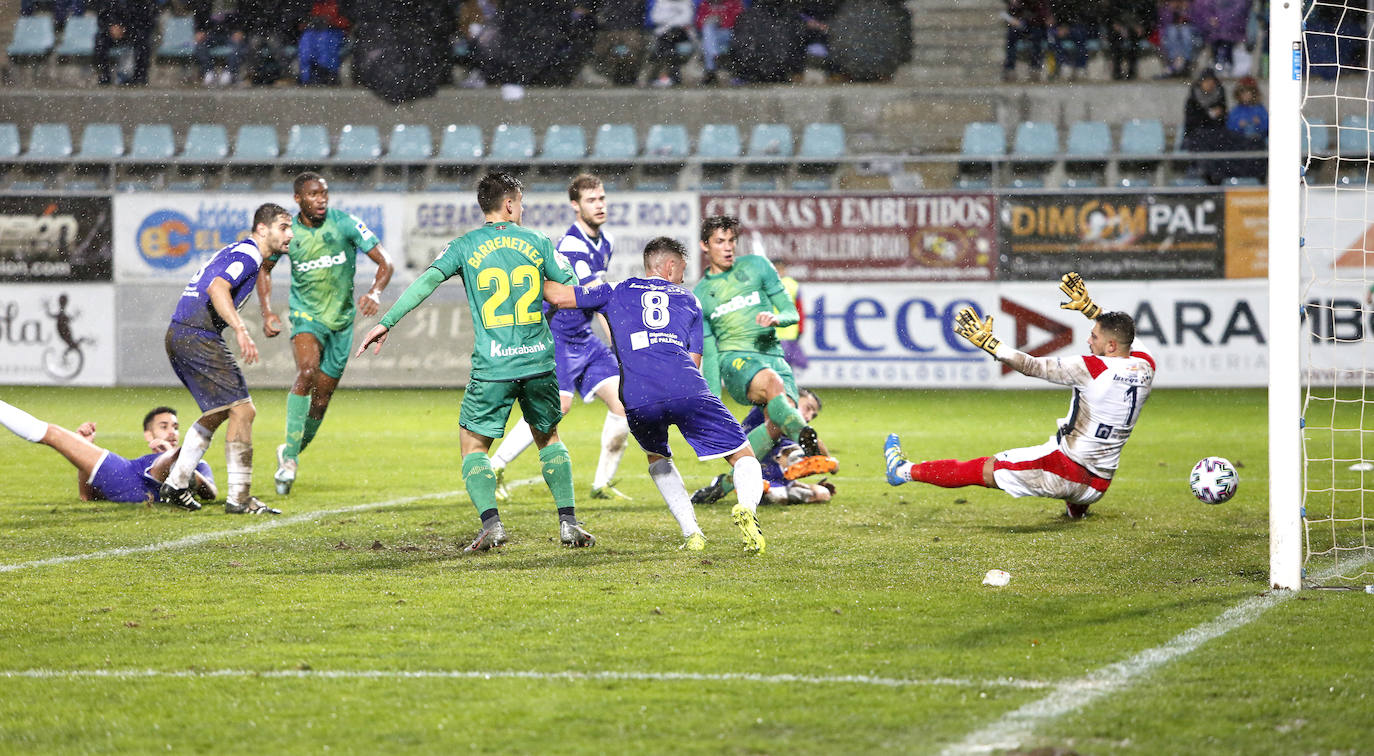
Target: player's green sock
480, 481
785, 416
312, 426
297, 407
760, 441
556, 465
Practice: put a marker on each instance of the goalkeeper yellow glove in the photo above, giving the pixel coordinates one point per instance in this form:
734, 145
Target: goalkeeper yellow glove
967, 324
1073, 287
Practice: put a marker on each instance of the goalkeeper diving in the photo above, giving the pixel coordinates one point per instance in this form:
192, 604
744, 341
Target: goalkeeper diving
1110, 385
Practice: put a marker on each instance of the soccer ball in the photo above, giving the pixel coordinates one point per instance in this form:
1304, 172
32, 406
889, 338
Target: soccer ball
1214, 480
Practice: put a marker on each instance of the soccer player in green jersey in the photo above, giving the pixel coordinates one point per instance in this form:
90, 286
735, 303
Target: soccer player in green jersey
743, 303
506, 270
323, 260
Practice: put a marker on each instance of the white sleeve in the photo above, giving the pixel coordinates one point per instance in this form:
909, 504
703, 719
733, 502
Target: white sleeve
1065, 371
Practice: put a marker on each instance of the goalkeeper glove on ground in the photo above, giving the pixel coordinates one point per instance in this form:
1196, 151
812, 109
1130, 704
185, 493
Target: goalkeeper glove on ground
967, 324
1073, 287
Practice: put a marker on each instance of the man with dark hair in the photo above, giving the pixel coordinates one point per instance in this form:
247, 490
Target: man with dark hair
1110, 386
203, 362
103, 475
585, 366
777, 461
323, 258
125, 26
743, 302
656, 326
507, 273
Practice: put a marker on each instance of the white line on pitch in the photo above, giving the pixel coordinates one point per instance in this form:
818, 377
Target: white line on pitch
382, 674
275, 522
1015, 727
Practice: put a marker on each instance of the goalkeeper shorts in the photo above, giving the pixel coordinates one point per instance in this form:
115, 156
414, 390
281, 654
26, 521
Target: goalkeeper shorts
1045, 470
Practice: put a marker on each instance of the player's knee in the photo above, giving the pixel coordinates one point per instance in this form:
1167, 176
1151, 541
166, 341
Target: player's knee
243, 413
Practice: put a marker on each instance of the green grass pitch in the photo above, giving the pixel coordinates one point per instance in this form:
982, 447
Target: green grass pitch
864, 628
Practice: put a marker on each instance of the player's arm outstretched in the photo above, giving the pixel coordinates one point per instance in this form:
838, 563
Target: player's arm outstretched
417, 292
1073, 287
1053, 369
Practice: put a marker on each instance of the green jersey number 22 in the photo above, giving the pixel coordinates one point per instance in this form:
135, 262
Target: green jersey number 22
498, 279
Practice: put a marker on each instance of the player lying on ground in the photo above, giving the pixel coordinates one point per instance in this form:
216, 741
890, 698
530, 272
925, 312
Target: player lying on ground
782, 465
507, 271
585, 366
323, 257
103, 475
744, 304
1110, 385
656, 327
202, 361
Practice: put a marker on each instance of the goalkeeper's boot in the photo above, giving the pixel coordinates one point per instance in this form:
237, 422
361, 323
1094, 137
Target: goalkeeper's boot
491, 536
810, 442
253, 507
286, 472
818, 465
1075, 511
608, 491
180, 497
571, 534
893, 457
502, 493
694, 542
712, 493
748, 523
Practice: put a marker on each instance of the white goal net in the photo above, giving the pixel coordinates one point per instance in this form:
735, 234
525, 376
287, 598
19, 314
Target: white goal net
1335, 273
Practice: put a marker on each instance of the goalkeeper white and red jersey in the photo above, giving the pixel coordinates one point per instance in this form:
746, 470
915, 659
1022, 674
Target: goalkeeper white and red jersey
1108, 394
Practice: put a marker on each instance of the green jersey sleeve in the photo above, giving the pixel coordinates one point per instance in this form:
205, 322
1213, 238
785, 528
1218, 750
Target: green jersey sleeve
450, 263
359, 235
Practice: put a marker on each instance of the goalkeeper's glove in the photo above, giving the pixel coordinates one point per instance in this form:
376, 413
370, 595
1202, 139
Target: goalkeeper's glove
967, 324
1073, 287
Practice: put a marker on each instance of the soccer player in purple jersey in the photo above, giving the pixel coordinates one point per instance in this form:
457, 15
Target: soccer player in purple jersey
584, 364
203, 362
656, 328
103, 475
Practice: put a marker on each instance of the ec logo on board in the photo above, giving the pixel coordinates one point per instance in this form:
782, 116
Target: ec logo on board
166, 239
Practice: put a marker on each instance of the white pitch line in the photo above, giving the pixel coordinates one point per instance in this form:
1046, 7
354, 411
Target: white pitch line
274, 522
1015, 727
382, 674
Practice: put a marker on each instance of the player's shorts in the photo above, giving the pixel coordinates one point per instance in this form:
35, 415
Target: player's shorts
737, 369
118, 479
204, 364
335, 346
486, 404
582, 367
702, 419
1045, 470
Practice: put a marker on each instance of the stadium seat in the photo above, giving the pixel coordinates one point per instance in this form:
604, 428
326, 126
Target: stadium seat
1036, 139
718, 141
1353, 136
206, 142
461, 143
770, 140
409, 144
564, 143
822, 141
34, 37
666, 148
512, 143
78, 38
1089, 139
1141, 137
256, 142
49, 141
307, 144
615, 142
178, 38
1316, 138
666, 141
9, 141
101, 141
359, 144
984, 140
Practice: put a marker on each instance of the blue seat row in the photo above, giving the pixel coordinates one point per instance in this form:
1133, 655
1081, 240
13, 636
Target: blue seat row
1040, 139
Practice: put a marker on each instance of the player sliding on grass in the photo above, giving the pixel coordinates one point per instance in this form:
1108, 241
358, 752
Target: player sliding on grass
656, 328
1110, 386
783, 457
507, 271
103, 475
584, 364
744, 303
323, 257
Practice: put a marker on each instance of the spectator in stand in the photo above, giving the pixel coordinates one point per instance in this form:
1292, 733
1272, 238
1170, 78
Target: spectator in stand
476, 25
218, 25
1128, 23
1204, 126
1075, 22
672, 21
1028, 21
1249, 119
320, 50
269, 26
61, 9
618, 53
1222, 23
715, 22
125, 26
1179, 38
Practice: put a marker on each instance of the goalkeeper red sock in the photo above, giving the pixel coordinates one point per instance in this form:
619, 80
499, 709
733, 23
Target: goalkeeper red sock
950, 473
